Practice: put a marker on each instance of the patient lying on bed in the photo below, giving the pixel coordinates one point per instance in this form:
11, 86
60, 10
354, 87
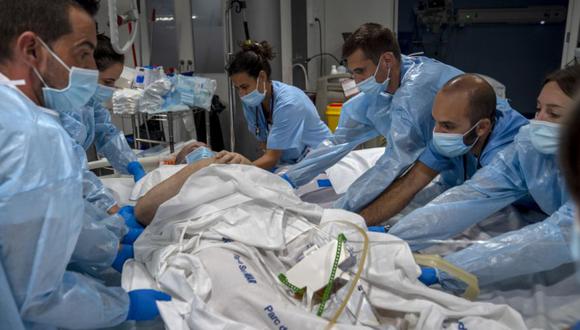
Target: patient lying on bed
219, 236
147, 205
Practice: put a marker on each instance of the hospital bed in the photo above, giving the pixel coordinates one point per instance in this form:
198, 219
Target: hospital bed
545, 301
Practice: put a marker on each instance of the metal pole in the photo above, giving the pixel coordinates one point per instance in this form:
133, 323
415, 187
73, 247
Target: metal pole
136, 135
228, 52
207, 128
170, 128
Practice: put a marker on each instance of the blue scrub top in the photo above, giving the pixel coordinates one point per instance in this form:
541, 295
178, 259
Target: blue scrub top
296, 125
455, 171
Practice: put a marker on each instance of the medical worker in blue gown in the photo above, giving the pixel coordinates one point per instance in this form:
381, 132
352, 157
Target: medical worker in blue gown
529, 166
93, 125
471, 126
96, 126
570, 160
283, 118
94, 192
396, 98
46, 227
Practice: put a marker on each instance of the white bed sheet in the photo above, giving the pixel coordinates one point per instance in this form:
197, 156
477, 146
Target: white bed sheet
185, 252
546, 301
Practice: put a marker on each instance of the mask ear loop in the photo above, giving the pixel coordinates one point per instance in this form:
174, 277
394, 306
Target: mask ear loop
53, 54
388, 78
39, 76
471, 129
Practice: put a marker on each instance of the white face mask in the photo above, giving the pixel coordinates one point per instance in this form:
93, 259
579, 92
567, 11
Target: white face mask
545, 136
451, 144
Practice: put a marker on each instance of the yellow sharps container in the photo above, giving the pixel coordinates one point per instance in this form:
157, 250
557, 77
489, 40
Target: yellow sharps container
332, 115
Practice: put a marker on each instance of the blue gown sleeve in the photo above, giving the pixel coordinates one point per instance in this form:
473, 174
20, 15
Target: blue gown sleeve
110, 142
537, 247
93, 189
95, 192
348, 135
492, 188
404, 145
8, 310
79, 302
98, 242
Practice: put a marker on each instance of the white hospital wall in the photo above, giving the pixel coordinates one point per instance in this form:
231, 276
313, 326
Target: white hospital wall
338, 16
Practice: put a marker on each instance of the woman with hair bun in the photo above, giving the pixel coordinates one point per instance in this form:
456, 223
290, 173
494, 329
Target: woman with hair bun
282, 117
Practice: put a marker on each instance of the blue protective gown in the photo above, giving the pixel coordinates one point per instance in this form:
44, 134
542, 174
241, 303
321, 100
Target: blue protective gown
103, 231
80, 126
93, 124
457, 170
516, 171
110, 142
403, 118
296, 125
41, 219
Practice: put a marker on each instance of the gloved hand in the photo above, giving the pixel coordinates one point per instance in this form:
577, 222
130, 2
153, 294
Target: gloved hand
430, 276
285, 177
143, 304
131, 236
128, 213
379, 229
125, 253
136, 169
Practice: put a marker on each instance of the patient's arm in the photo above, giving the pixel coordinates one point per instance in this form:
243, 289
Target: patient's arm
148, 204
398, 195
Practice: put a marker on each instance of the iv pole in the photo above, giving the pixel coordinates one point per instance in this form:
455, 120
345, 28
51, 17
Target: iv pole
239, 6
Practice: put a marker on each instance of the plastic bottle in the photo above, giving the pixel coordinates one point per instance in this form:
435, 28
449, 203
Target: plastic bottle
333, 70
139, 78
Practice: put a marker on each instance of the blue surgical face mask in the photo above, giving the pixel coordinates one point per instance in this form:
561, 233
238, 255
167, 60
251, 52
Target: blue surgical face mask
254, 98
82, 84
545, 136
451, 144
198, 154
104, 93
371, 86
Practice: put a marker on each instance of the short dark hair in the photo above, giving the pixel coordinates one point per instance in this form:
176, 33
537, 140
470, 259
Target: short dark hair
482, 98
570, 152
374, 40
49, 19
90, 6
105, 55
568, 79
253, 58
